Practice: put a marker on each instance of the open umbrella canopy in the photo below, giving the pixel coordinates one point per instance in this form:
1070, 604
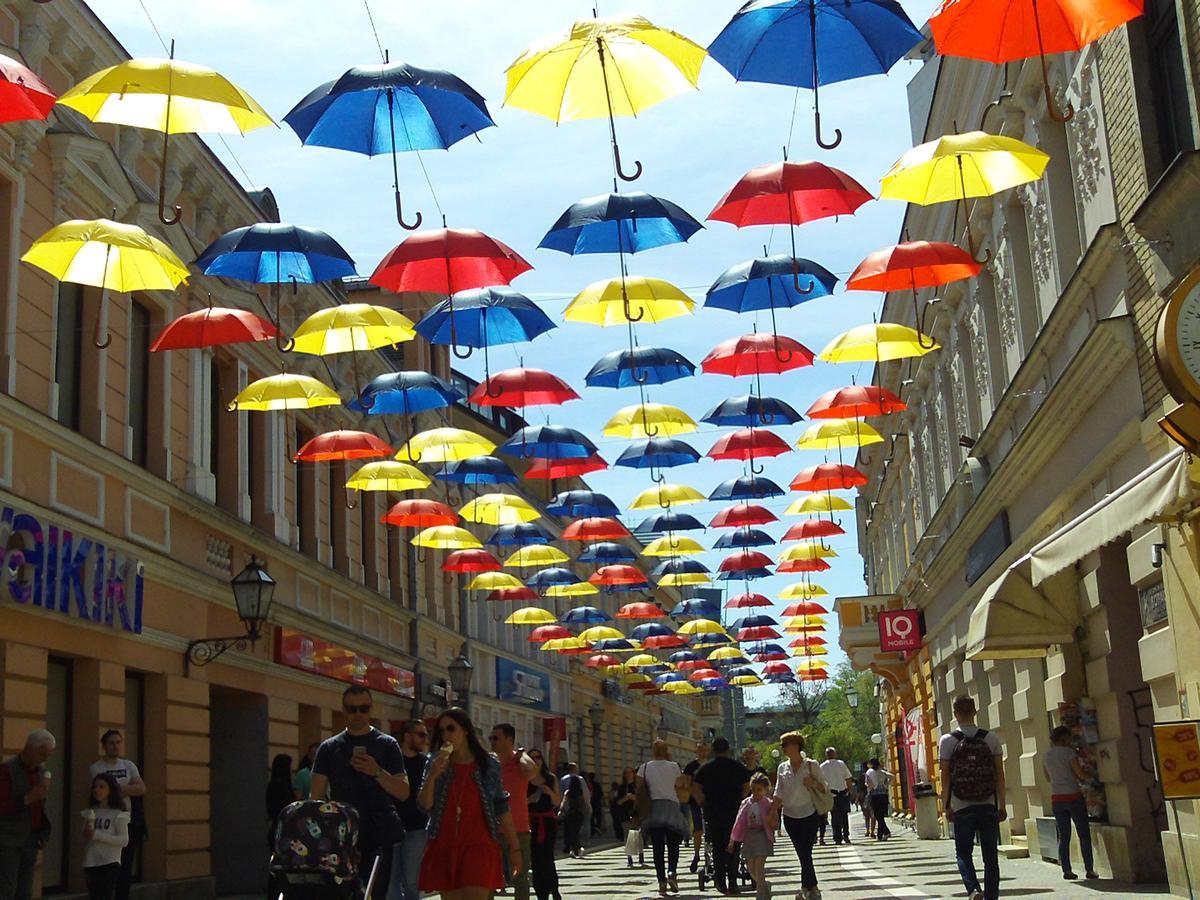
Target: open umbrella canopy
744, 560
628, 299
619, 223
476, 470
838, 434
544, 578
793, 566
107, 254
616, 645
446, 261
619, 575
551, 469
607, 553
760, 353
878, 342
544, 633
702, 626
666, 496
728, 656
442, 445
531, 615
470, 561
404, 393
790, 193
957, 166
749, 574
603, 661
519, 388
595, 528
548, 442
743, 537
757, 633
742, 514
747, 600
639, 366
446, 537
484, 317
672, 545
284, 391
769, 282
912, 265
807, 550
213, 326
351, 328
582, 503
856, 402
674, 566
590, 615
644, 420
804, 624
813, 504
641, 610
802, 592
746, 487
657, 453
808, 640
669, 523
827, 477
521, 535
493, 581
339, 445
751, 410
23, 96
567, 646
388, 475
513, 595
420, 513
650, 629
535, 556
683, 579
499, 509
812, 529
749, 443
276, 253
710, 639
578, 589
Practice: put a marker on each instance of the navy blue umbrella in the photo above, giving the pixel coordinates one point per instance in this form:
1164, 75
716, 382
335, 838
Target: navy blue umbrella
478, 470
714, 639
740, 538
650, 629
746, 487
752, 621
701, 609
519, 535
548, 442
769, 282
678, 566
582, 504
657, 453
744, 575
780, 678
641, 365
683, 656
808, 43
612, 645
483, 317
661, 523
765, 649
585, 615
405, 393
544, 578
607, 554
751, 411
619, 223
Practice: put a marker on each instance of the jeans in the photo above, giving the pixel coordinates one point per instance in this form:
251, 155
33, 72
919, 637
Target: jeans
982, 820
16, 872
406, 866
879, 807
666, 842
716, 831
803, 833
840, 816
102, 881
1066, 812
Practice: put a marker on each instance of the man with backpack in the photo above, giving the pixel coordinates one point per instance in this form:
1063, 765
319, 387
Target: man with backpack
972, 760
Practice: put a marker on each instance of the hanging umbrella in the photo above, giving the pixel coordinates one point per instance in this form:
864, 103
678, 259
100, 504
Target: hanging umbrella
746, 487
23, 96
602, 661
388, 475
446, 537
770, 282
838, 434
957, 166
549, 577
284, 391
519, 388
877, 342
619, 223
213, 326
645, 420
420, 513
169, 96
742, 514
672, 545
404, 393
805, 624
756, 354
551, 469
730, 656
616, 645
446, 261
483, 317
745, 574
684, 656
390, 108
544, 633
520, 535
856, 402
594, 528
802, 566
742, 538
760, 633
807, 550
812, 529
109, 255
607, 554
477, 470
743, 560
619, 576
750, 410
536, 556
341, 445
641, 610
684, 579
639, 366
627, 299
672, 567
776, 668
590, 615
531, 615
612, 66
817, 503
499, 509
1003, 32
709, 674
666, 678
582, 503
578, 589
669, 523
351, 328
749, 444
657, 453
808, 43
747, 601
827, 477
468, 561
513, 595
440, 445
804, 605
666, 496
548, 442
664, 642
493, 581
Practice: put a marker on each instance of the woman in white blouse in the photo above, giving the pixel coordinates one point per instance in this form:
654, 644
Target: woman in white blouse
795, 780
666, 826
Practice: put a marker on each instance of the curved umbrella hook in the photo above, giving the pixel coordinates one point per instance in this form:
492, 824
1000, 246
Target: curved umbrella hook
621, 173
657, 478
286, 345
395, 171
756, 469
421, 555
625, 301
350, 505
612, 125
487, 389
1051, 108
645, 379
919, 321
837, 132
415, 224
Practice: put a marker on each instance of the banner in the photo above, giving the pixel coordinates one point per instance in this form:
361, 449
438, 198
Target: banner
1177, 750
554, 730
310, 654
899, 630
915, 753
517, 684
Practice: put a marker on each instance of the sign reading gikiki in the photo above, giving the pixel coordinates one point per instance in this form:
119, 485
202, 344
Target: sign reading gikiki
899, 629
516, 684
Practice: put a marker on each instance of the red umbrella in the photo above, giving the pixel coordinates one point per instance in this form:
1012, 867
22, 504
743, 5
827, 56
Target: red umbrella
827, 477
646, 687
746, 601
789, 193
813, 675
23, 96
618, 575
640, 610
776, 668
743, 560
338, 445
522, 387
420, 514
446, 261
701, 674
791, 566
664, 642
749, 443
769, 656
693, 665
581, 650
544, 633
856, 402
550, 469
513, 595
756, 354
602, 660
808, 640
804, 608
742, 514
595, 529
471, 561
212, 327
757, 633
812, 529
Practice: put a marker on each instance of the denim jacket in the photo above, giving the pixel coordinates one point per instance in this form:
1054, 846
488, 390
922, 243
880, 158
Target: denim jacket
491, 789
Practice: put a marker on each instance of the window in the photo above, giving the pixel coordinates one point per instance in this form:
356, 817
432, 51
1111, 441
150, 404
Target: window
68, 348
138, 393
1172, 110
306, 500
222, 435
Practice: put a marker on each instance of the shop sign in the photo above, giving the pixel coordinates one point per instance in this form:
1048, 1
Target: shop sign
516, 684
899, 630
987, 549
310, 654
1177, 749
64, 572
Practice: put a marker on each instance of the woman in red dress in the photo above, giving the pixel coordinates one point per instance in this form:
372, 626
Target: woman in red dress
468, 815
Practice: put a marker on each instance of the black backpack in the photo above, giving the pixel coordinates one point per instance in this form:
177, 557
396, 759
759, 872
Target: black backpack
973, 768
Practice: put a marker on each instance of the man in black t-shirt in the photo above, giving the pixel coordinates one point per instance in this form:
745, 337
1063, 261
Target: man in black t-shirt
697, 818
364, 768
406, 855
720, 785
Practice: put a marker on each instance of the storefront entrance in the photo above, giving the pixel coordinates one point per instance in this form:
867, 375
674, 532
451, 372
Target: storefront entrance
238, 788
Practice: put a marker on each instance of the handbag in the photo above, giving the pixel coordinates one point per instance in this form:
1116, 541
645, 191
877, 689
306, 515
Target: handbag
822, 797
641, 804
633, 843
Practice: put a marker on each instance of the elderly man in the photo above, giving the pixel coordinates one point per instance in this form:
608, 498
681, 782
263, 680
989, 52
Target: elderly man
24, 828
837, 777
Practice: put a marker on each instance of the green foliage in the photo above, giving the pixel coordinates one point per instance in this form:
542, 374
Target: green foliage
839, 725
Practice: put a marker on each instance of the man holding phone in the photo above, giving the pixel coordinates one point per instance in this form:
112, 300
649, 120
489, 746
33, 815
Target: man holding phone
364, 768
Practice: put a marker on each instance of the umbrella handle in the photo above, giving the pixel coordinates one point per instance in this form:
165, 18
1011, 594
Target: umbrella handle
823, 144
420, 555
102, 309
162, 174
400, 217
453, 497
645, 379
350, 505
629, 311
487, 389
621, 173
755, 469
919, 321
660, 478
1052, 111
461, 355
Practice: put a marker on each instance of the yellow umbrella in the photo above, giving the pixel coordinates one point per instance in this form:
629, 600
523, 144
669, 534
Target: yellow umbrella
536, 556
878, 342
168, 96
814, 504
494, 581
388, 475
804, 624
601, 633
806, 551
837, 434
579, 589
810, 665
635, 678
562, 644
643, 420
810, 651
728, 653
350, 328
531, 615
499, 509
439, 445
684, 579
682, 688
701, 626
672, 545
615, 671
619, 301
802, 590
446, 537
666, 496
284, 391
746, 680
641, 661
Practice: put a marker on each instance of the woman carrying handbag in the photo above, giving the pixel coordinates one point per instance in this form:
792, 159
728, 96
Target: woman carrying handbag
803, 797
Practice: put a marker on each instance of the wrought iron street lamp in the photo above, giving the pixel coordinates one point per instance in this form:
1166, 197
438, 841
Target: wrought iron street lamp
461, 673
852, 697
253, 591
662, 727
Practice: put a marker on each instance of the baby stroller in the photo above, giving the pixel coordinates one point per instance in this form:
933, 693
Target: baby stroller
314, 855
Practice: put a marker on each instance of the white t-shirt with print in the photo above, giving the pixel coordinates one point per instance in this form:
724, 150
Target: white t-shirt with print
123, 770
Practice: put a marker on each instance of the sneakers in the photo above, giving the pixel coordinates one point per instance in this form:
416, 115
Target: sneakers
629, 862
1090, 875
662, 889
1069, 876
673, 882
976, 895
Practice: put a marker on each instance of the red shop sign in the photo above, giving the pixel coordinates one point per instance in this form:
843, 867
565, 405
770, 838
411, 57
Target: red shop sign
900, 630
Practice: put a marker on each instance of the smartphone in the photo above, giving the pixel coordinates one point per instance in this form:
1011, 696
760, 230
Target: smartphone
359, 751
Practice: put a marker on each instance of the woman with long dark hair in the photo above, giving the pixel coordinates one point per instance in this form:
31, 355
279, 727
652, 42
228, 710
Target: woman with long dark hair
468, 812
543, 818
106, 833
280, 791
574, 814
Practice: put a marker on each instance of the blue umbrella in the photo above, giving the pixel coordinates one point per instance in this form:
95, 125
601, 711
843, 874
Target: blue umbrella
683, 656
662, 523
744, 575
740, 538
701, 609
715, 639
519, 535
769, 282
548, 442
390, 108
641, 365
746, 487
612, 645
619, 223
405, 393
740, 670
650, 629
581, 504
751, 411
754, 621
585, 615
478, 470
544, 578
808, 43
483, 317
712, 684
607, 554
679, 566
780, 678
657, 453
668, 677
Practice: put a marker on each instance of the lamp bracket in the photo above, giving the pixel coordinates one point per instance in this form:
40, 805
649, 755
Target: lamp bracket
202, 651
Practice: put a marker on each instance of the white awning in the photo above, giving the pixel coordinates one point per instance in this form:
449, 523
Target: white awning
1163, 485
1015, 620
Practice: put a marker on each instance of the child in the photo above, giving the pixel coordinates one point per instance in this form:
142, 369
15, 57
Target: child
106, 831
755, 827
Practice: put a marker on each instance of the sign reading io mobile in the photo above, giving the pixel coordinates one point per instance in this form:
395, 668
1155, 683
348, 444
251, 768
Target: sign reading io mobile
899, 630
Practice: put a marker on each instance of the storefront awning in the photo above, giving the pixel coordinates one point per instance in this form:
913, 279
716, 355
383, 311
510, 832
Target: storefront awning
1163, 485
1015, 620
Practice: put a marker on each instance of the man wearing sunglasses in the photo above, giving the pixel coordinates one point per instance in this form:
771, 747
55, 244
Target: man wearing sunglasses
406, 856
516, 768
364, 768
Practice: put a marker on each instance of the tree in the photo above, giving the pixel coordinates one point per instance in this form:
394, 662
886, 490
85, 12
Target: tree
846, 728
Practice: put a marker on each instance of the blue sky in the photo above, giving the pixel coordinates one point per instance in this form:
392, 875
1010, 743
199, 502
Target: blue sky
520, 176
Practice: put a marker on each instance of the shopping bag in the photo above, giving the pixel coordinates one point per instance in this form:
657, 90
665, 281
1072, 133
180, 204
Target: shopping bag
633, 843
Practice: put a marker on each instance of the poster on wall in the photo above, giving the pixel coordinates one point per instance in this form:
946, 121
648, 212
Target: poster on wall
1177, 753
517, 684
917, 768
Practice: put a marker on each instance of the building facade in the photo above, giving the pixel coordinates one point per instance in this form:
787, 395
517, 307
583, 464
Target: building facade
1018, 505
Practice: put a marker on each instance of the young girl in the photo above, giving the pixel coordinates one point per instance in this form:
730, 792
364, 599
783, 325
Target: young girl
106, 831
755, 827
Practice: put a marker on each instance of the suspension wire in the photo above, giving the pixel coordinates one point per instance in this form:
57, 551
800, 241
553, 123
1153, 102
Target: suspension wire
374, 30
